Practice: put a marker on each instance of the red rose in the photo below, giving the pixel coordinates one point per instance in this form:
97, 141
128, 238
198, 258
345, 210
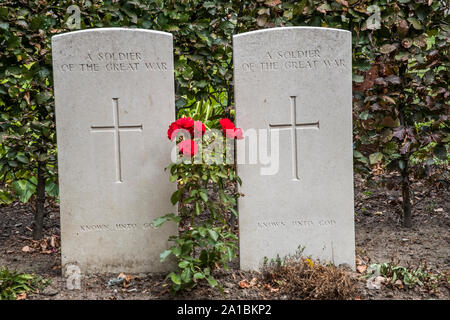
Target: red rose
172, 132
187, 124
229, 130
226, 124
188, 147
238, 133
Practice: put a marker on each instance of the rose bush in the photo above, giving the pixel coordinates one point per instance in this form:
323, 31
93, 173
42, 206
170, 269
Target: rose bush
206, 199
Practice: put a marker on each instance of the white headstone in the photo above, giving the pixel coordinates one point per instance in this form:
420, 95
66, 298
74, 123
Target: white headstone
114, 96
293, 88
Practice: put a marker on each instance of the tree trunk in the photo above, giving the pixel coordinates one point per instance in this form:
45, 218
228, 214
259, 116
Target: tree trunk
40, 202
406, 204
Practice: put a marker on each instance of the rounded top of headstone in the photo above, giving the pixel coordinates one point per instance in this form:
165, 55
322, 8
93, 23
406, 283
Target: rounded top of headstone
278, 29
107, 30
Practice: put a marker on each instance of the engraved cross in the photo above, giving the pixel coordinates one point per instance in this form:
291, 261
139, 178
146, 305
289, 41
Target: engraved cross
294, 126
116, 128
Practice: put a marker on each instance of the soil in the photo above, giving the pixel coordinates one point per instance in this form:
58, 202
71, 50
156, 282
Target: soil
380, 238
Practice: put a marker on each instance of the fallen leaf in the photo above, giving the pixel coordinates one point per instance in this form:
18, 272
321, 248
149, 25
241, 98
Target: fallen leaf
53, 241
361, 268
244, 284
22, 296
272, 3
387, 48
127, 278
26, 96
342, 2
399, 284
27, 249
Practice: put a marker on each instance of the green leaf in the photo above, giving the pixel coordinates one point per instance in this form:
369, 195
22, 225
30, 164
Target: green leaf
52, 188
163, 256
22, 158
202, 231
175, 278
212, 282
213, 235
175, 196
360, 157
199, 275
198, 208
357, 78
180, 103
43, 97
415, 23
402, 56
4, 26
25, 277
24, 189
204, 257
204, 196
186, 275
170, 216
362, 65
375, 157
159, 221
184, 264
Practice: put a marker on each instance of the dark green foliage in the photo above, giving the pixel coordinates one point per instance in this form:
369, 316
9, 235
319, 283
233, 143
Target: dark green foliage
400, 62
13, 284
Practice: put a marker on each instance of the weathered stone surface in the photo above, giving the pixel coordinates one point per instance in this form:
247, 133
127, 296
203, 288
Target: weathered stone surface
114, 92
284, 78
